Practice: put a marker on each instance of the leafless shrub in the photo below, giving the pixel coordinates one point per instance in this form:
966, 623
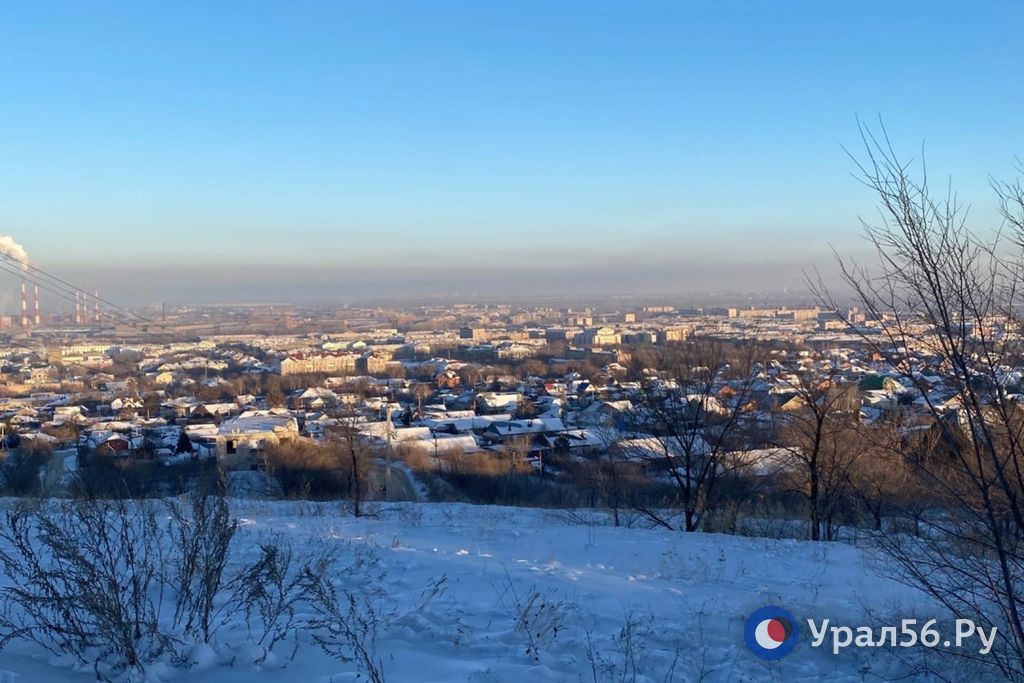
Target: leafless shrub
86, 582
416, 459
201, 537
435, 589
345, 625
96, 580
19, 471
539, 615
269, 592
305, 470
628, 658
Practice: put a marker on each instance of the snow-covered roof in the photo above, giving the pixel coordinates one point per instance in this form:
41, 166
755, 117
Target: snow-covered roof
259, 421
653, 448
443, 445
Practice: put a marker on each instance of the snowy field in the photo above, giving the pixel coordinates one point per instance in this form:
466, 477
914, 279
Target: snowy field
612, 604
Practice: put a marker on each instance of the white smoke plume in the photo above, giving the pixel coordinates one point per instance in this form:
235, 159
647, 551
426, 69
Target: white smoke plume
11, 248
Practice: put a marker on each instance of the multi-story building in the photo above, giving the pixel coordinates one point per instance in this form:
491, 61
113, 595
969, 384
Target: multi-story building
671, 334
597, 336
474, 334
325, 363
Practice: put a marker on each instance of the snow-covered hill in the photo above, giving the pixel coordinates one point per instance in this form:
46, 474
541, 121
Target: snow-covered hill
601, 603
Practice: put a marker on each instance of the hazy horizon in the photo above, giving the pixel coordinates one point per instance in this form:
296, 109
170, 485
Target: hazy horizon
193, 286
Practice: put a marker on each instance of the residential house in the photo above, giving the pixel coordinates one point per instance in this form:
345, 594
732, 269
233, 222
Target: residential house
242, 440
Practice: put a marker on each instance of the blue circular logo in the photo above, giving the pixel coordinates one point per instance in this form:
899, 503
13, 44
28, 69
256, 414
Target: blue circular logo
771, 633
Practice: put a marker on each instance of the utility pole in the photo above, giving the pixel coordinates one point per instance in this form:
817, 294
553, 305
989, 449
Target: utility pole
389, 407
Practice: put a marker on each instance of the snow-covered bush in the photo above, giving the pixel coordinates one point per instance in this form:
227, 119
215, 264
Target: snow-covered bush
121, 587
88, 576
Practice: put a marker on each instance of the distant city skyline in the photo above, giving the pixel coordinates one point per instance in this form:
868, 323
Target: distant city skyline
313, 151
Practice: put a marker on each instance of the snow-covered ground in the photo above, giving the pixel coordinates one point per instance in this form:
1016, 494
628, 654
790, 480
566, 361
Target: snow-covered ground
667, 605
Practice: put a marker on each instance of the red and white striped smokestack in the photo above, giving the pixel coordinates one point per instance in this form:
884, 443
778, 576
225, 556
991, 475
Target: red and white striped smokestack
24, 304
39, 320
96, 298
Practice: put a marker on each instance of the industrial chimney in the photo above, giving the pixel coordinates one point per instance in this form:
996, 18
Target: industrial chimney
78, 307
24, 304
96, 296
39, 320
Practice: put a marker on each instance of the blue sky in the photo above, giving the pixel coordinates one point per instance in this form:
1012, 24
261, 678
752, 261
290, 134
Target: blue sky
320, 142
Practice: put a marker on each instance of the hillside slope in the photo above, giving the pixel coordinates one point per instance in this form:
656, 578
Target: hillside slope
608, 602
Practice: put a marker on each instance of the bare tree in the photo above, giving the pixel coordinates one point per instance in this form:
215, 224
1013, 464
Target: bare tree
421, 391
819, 438
880, 473
275, 394
693, 410
517, 449
886, 480
610, 473
355, 454
945, 298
